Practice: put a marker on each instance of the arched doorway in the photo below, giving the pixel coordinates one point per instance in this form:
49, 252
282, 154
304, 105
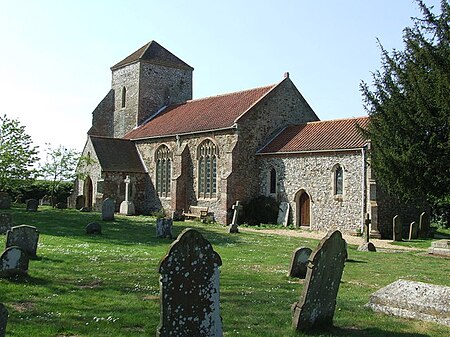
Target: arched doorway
303, 208
88, 192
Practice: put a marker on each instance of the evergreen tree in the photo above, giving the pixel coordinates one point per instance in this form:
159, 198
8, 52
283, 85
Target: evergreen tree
409, 106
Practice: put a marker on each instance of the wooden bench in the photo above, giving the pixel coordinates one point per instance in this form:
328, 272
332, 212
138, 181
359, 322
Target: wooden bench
196, 212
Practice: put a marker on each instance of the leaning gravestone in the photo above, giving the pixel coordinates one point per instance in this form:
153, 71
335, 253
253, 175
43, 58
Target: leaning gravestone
283, 214
397, 229
108, 208
3, 320
94, 228
424, 225
24, 236
189, 285
5, 222
318, 300
13, 262
5, 200
164, 228
416, 300
32, 205
299, 262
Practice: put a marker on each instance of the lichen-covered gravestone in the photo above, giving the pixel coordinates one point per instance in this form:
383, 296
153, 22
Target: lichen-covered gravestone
3, 320
164, 228
32, 205
318, 300
5, 222
299, 262
108, 208
24, 236
13, 261
189, 284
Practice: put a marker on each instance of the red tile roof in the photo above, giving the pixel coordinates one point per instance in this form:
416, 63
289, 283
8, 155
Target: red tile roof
339, 134
211, 113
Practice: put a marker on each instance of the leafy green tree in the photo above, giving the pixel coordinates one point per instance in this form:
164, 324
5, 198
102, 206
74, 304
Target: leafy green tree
59, 167
17, 155
409, 106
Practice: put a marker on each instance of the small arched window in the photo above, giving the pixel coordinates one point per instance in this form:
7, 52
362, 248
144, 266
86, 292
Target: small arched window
207, 154
273, 181
163, 159
338, 180
124, 97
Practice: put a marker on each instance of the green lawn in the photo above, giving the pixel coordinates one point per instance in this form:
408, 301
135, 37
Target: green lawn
107, 285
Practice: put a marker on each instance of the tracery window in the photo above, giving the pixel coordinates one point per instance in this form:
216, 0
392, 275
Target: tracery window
338, 180
124, 96
207, 154
163, 159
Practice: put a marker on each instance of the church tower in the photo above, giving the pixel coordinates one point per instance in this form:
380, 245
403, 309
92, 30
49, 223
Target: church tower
143, 83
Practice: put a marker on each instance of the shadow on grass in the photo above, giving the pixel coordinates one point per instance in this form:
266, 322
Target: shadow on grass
354, 261
368, 332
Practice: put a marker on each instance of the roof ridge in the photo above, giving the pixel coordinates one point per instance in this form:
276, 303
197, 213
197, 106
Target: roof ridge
230, 93
335, 120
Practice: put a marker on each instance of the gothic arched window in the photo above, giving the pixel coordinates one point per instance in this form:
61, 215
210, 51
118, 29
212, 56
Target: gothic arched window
273, 181
124, 96
163, 159
207, 154
338, 180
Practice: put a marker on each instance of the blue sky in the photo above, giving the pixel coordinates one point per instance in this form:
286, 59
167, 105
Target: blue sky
56, 54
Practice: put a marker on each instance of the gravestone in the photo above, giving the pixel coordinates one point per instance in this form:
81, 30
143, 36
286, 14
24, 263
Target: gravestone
164, 228
127, 206
80, 202
440, 247
413, 231
367, 247
233, 227
416, 300
32, 205
318, 300
3, 320
13, 262
5, 222
189, 284
61, 205
178, 215
5, 200
424, 225
108, 208
94, 228
283, 214
299, 262
397, 229
45, 201
24, 236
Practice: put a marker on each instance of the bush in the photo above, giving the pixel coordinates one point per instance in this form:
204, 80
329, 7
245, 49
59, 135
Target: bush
260, 210
40, 188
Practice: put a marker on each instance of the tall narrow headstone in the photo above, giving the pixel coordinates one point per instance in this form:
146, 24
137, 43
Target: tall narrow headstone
299, 262
5, 200
233, 227
424, 225
413, 231
108, 208
164, 228
318, 300
127, 206
283, 214
397, 229
3, 320
13, 262
24, 236
189, 283
80, 202
5, 222
32, 205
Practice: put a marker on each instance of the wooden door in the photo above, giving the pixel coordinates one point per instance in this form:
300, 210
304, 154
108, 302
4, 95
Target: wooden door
304, 204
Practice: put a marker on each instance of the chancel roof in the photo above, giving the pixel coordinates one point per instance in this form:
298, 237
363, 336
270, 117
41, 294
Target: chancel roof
206, 114
332, 135
117, 155
154, 53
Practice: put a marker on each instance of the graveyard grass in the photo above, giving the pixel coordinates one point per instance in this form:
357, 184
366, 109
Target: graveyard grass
108, 284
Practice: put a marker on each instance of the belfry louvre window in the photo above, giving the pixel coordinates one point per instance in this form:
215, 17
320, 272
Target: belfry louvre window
207, 154
338, 180
163, 171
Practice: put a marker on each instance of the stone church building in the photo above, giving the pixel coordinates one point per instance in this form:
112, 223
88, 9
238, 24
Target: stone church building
213, 151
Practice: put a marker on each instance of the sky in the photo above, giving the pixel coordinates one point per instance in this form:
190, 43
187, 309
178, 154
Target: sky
56, 55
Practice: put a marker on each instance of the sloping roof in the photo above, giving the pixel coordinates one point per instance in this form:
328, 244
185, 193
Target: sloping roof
339, 134
154, 53
211, 113
118, 155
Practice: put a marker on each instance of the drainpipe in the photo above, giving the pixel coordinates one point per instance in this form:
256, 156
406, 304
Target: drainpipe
364, 185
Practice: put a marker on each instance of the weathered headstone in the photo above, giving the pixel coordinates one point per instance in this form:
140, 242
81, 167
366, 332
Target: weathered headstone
178, 215
367, 247
413, 231
45, 201
24, 236
5, 222
416, 300
318, 300
13, 262
108, 208
164, 228
440, 247
80, 202
424, 225
299, 262
5, 200
233, 227
397, 229
189, 283
3, 320
32, 205
94, 228
127, 206
283, 214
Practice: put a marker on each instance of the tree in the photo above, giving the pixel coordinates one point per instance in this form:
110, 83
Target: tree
17, 155
409, 109
59, 167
